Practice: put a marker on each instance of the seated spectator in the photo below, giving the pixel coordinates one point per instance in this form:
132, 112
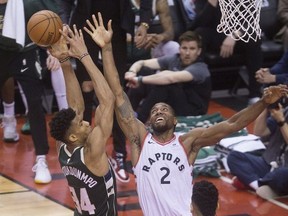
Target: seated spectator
183, 80
266, 174
278, 74
282, 15
160, 36
159, 43
205, 23
204, 199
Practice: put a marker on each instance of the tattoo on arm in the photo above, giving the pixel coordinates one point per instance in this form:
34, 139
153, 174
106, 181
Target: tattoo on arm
128, 122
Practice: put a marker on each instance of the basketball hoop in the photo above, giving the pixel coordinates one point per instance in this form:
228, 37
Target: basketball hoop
240, 19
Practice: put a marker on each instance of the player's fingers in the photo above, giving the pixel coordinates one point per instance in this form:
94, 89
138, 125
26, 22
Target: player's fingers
90, 25
70, 33
100, 19
87, 30
65, 35
80, 33
76, 33
95, 20
110, 26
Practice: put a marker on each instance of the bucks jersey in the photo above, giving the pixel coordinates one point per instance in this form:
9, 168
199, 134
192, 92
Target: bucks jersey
92, 195
164, 178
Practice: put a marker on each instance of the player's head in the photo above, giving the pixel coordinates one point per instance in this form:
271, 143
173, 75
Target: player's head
67, 128
162, 118
190, 47
204, 199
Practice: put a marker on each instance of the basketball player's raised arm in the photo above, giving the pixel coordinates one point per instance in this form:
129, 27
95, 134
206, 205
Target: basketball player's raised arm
104, 112
133, 129
213, 134
73, 90
103, 120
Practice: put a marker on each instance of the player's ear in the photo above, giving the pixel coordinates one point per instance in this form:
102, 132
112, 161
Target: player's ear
73, 138
175, 121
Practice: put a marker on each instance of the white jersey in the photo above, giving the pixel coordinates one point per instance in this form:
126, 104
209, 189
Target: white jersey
164, 178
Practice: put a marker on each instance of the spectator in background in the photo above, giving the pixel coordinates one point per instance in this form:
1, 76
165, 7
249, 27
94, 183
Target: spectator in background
47, 64
160, 38
205, 23
204, 199
183, 81
282, 15
9, 122
120, 11
159, 43
278, 74
266, 174
19, 62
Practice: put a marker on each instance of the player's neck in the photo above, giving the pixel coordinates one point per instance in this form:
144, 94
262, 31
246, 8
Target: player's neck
163, 137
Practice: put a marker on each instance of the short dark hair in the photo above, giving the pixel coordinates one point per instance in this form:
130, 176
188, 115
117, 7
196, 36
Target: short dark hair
60, 123
205, 197
191, 36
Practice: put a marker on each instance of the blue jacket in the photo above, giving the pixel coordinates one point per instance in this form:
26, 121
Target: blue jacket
280, 69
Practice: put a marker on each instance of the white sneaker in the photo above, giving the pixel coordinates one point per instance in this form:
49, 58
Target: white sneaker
42, 173
266, 192
10, 134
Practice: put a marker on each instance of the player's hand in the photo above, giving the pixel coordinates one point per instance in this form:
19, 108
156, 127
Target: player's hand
76, 41
98, 32
274, 93
60, 49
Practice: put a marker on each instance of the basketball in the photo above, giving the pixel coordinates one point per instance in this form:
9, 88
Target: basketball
43, 28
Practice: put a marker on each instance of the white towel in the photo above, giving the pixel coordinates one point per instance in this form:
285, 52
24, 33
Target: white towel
14, 21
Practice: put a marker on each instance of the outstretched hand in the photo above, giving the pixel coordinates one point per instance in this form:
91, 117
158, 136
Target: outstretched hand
98, 32
76, 41
60, 49
274, 93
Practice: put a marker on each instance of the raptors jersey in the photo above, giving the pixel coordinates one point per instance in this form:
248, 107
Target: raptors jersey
164, 178
92, 195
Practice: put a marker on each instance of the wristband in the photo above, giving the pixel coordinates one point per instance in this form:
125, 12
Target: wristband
64, 60
131, 71
83, 55
146, 25
140, 79
281, 123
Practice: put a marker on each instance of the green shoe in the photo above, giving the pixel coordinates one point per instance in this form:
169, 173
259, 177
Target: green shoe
26, 128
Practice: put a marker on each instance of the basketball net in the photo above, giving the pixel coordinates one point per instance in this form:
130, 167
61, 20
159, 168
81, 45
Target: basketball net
240, 19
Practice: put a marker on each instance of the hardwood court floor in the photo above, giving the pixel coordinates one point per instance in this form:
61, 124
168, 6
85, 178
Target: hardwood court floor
20, 196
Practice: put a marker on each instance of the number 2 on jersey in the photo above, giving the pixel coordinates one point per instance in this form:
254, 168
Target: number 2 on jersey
166, 174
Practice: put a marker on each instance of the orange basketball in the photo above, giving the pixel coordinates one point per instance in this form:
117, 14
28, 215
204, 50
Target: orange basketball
43, 28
